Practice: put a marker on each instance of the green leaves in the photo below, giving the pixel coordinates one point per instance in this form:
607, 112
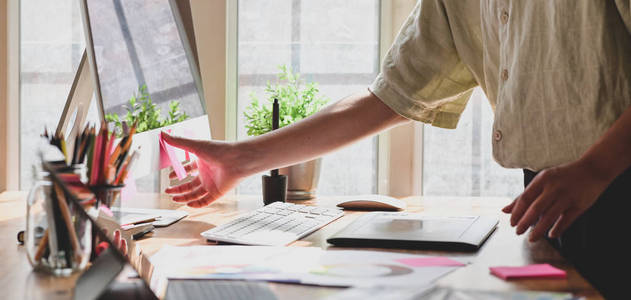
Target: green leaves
175, 116
295, 103
146, 113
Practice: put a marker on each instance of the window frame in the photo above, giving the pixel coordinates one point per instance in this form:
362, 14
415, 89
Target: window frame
399, 162
9, 95
400, 166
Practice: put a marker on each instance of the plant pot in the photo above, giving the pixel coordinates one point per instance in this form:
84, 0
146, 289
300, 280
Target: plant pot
149, 160
302, 179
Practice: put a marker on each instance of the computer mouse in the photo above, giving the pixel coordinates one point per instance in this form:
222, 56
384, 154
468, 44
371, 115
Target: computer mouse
371, 202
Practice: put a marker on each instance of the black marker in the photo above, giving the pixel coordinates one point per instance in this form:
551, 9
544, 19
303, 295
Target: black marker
275, 122
274, 184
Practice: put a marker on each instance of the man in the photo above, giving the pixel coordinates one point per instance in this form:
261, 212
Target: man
558, 76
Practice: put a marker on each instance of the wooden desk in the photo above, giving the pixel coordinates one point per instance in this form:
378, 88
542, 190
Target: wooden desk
503, 248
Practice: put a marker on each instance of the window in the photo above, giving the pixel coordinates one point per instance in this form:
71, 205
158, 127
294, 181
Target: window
51, 45
333, 43
459, 162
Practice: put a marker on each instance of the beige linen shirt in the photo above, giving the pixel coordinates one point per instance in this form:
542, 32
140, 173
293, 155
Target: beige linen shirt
556, 72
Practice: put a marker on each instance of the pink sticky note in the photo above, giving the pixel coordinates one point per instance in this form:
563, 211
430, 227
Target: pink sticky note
437, 261
129, 191
530, 271
164, 157
173, 161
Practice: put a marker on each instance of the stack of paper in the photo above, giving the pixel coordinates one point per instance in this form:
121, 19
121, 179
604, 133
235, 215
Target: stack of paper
306, 265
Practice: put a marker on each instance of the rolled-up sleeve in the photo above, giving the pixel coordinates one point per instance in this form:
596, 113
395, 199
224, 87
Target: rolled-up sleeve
422, 76
624, 8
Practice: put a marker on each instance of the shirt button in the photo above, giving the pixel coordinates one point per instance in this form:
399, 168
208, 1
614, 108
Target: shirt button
504, 17
497, 135
504, 74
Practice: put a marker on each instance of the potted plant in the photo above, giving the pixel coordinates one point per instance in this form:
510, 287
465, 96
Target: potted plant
296, 102
146, 114
150, 122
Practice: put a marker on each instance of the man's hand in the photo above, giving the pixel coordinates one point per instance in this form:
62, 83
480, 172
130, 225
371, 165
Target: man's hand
554, 199
215, 171
119, 242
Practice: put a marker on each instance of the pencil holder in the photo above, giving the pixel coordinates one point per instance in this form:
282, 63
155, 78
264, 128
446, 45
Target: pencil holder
107, 202
58, 239
108, 195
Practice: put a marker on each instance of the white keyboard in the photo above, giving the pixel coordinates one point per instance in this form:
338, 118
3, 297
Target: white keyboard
277, 224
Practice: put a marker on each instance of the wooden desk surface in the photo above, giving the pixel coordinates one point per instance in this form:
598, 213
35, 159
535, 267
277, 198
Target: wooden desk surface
503, 248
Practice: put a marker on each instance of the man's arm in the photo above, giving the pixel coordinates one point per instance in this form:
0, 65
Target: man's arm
557, 196
337, 125
221, 165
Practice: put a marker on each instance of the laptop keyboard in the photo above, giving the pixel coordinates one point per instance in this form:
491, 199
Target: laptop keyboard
216, 289
276, 224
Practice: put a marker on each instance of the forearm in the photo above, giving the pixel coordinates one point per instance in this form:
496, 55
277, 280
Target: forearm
611, 154
337, 125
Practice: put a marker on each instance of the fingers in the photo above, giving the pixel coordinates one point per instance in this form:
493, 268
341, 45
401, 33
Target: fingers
193, 195
509, 208
521, 204
545, 222
201, 202
117, 238
534, 211
525, 199
189, 168
185, 187
120, 242
182, 143
123, 247
566, 219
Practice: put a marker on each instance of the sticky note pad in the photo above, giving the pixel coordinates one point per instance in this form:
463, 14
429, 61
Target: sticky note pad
168, 157
437, 261
530, 271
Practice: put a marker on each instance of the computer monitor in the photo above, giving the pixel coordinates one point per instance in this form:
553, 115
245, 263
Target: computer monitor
141, 48
136, 43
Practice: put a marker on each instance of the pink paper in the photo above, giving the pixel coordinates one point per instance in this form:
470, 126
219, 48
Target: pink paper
530, 271
129, 191
106, 210
437, 261
172, 159
164, 157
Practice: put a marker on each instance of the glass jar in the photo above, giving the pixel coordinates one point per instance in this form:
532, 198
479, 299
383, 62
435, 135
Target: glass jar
108, 195
58, 239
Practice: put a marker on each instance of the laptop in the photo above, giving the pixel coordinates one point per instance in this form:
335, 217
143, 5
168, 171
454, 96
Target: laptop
99, 280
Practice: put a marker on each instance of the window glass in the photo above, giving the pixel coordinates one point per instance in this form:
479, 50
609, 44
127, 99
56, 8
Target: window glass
333, 43
51, 45
459, 162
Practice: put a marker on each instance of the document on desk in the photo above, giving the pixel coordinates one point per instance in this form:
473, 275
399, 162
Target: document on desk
305, 265
430, 292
